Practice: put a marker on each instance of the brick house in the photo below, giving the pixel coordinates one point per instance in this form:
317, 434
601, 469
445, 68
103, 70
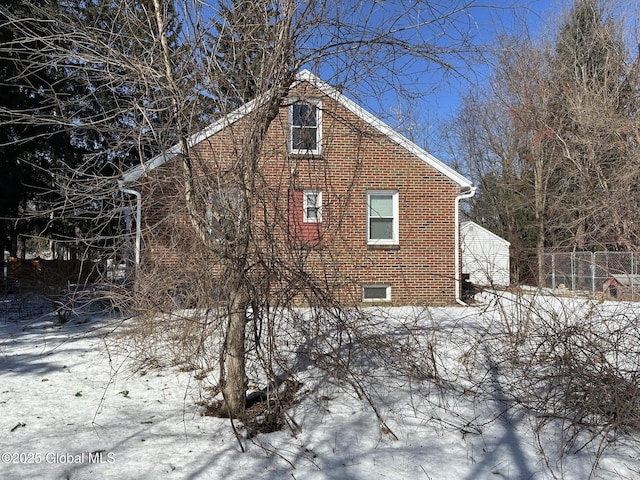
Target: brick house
371, 211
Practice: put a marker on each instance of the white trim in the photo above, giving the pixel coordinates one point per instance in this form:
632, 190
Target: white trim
168, 155
395, 233
329, 91
387, 297
317, 103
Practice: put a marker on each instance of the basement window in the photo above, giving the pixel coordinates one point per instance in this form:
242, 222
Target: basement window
376, 293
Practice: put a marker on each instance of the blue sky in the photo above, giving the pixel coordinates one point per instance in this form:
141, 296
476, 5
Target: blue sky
438, 93
504, 16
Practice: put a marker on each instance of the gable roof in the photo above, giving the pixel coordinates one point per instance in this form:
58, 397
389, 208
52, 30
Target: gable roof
469, 225
304, 76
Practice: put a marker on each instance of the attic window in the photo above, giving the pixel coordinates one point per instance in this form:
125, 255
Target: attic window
305, 126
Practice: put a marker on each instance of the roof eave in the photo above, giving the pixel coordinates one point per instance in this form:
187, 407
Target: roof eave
305, 76
136, 173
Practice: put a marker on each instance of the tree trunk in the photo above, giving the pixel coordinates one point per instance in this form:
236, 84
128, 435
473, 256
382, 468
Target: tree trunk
233, 374
540, 253
540, 207
13, 252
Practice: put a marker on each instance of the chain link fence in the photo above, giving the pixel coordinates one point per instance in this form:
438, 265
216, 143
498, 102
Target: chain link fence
614, 273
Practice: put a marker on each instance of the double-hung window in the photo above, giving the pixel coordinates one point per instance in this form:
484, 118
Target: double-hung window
312, 208
305, 127
382, 217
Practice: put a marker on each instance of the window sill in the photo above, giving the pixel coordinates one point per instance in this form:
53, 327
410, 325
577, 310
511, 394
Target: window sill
306, 156
310, 245
383, 247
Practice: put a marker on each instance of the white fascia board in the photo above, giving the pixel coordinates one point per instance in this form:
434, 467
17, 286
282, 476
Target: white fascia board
375, 122
305, 76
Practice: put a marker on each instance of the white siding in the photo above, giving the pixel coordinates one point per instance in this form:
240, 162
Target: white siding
485, 256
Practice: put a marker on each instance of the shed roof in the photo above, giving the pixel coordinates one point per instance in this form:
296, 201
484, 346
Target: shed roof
304, 76
627, 279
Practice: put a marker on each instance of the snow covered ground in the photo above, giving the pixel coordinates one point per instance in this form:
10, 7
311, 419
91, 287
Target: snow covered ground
76, 403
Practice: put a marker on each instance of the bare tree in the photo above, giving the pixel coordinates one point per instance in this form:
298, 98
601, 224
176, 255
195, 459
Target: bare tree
163, 83
570, 364
548, 138
502, 134
594, 78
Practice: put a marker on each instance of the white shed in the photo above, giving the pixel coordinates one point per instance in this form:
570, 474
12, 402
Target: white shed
485, 255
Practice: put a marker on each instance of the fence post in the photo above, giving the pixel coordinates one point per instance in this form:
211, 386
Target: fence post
593, 274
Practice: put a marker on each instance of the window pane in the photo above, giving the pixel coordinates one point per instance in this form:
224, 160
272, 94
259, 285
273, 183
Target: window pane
381, 205
299, 113
312, 205
381, 228
312, 214
304, 115
304, 139
375, 293
223, 211
311, 199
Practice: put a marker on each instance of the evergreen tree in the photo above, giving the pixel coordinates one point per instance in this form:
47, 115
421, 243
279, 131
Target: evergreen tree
69, 107
591, 114
243, 38
29, 150
126, 94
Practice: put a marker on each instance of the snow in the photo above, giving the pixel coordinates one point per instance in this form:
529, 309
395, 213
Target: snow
76, 402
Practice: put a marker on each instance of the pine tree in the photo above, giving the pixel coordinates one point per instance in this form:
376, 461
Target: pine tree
243, 39
70, 107
591, 116
29, 150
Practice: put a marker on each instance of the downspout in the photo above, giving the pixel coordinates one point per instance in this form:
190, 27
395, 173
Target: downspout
138, 196
463, 196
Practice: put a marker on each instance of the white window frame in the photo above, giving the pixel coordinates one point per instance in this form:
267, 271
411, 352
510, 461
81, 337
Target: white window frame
317, 206
318, 106
387, 297
395, 228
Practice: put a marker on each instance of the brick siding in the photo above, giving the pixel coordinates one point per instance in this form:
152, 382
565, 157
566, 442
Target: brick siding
355, 159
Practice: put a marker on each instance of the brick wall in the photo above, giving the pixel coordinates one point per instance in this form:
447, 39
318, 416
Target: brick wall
355, 158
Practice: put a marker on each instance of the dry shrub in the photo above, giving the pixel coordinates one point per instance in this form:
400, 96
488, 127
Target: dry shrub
572, 364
